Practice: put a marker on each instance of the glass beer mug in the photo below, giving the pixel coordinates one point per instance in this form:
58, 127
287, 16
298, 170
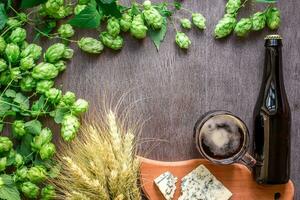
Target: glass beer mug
223, 138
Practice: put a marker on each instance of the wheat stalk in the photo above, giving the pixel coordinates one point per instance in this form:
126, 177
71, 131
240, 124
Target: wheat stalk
101, 164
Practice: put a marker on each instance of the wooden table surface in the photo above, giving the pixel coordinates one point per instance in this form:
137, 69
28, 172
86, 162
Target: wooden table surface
171, 88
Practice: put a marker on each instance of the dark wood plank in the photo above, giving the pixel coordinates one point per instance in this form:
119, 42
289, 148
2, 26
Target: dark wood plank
173, 88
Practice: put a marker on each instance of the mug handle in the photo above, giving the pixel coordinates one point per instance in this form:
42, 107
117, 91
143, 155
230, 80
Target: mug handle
248, 160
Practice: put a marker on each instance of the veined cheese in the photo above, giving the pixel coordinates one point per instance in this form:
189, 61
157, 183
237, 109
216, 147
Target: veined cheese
200, 184
166, 183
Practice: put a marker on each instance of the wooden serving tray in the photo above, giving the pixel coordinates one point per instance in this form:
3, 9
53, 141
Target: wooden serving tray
236, 177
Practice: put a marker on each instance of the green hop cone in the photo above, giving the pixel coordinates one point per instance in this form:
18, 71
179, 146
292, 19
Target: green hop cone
43, 86
37, 174
18, 35
60, 65
2, 45
66, 31
32, 50
232, 6
48, 192
182, 40
138, 28
44, 71
258, 21
225, 26
186, 23
79, 107
19, 161
5, 77
199, 21
22, 17
18, 128
68, 54
26, 63
3, 162
56, 9
55, 52
5, 144
13, 23
12, 52
243, 27
21, 174
54, 95
113, 26
27, 84
78, 8
23, 45
153, 18
273, 18
69, 127
47, 151
90, 45
68, 99
3, 65
109, 41
147, 5
30, 190
125, 22
43, 138
15, 73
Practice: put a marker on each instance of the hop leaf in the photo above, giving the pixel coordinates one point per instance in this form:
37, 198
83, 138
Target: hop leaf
243, 27
138, 28
182, 40
225, 26
90, 45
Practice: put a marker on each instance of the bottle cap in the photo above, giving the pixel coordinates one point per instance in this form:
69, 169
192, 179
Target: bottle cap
273, 40
274, 37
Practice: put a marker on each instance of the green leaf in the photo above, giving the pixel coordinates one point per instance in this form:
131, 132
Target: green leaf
158, 36
111, 9
163, 9
31, 3
3, 16
59, 114
10, 93
33, 127
9, 190
266, 1
88, 18
25, 147
4, 107
43, 31
22, 100
38, 105
1, 126
107, 1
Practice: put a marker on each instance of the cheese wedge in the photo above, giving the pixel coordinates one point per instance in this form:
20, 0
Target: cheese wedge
166, 183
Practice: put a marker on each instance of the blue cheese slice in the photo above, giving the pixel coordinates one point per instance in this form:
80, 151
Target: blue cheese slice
200, 184
166, 183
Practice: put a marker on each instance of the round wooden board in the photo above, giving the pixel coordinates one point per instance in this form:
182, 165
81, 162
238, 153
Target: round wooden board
236, 177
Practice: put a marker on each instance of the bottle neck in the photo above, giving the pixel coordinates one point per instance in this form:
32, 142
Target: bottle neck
273, 63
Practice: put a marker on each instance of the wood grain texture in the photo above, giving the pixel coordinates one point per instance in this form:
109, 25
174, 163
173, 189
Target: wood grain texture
173, 88
236, 177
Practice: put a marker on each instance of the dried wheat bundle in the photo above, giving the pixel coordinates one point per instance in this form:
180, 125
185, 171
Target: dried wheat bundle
101, 164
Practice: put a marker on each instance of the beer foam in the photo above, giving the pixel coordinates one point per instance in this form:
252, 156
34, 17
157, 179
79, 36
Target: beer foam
221, 135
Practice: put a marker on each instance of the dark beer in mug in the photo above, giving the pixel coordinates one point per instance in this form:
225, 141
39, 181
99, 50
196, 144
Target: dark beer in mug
272, 120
